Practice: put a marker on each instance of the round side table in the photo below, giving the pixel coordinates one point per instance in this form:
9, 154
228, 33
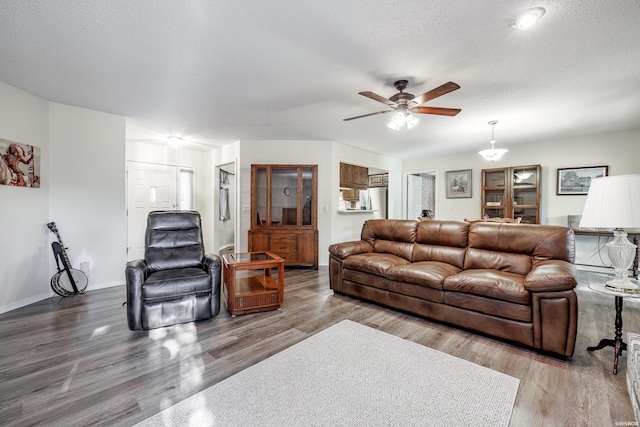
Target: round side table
617, 342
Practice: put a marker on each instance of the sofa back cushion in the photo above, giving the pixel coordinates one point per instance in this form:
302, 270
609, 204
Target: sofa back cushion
444, 241
517, 248
391, 236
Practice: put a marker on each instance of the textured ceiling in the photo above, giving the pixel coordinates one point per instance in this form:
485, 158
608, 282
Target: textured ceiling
220, 71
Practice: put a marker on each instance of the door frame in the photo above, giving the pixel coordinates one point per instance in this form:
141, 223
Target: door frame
405, 189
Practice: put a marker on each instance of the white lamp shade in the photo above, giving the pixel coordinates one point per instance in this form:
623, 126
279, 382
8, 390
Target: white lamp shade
613, 202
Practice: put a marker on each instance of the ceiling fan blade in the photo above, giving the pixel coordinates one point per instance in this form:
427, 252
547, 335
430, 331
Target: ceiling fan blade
434, 93
367, 115
436, 110
379, 98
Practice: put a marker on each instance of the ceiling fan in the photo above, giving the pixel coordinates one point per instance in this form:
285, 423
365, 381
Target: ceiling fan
404, 102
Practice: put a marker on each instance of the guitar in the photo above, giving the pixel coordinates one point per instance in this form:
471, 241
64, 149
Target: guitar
67, 281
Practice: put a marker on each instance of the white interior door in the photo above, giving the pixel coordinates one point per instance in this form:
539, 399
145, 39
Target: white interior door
414, 196
150, 187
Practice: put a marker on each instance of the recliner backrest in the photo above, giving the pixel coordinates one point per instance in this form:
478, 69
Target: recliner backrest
173, 240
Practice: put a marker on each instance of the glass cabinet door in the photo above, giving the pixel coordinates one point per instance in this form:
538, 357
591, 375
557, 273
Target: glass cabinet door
261, 196
494, 193
307, 196
283, 196
284, 190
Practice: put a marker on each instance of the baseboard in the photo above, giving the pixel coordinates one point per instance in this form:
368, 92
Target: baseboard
23, 302
91, 287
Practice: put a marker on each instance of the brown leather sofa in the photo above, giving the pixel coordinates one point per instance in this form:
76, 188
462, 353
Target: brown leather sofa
510, 281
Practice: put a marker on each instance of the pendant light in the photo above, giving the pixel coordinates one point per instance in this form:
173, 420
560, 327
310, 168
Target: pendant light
493, 154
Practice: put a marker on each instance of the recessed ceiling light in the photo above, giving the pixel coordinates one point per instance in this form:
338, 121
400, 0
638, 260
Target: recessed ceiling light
528, 18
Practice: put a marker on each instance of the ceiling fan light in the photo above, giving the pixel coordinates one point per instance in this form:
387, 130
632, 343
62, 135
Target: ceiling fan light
528, 18
411, 121
397, 121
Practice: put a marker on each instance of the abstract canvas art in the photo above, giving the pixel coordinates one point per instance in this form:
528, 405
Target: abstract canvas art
19, 164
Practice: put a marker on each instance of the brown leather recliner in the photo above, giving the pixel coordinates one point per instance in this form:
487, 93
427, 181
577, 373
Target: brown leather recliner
176, 282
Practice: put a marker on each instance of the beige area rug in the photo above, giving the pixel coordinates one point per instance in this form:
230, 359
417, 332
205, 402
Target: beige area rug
352, 375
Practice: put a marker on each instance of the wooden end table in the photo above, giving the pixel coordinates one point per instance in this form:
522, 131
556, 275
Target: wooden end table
249, 283
617, 342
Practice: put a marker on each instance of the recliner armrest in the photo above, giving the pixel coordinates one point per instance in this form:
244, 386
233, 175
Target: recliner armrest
551, 275
135, 275
343, 250
213, 264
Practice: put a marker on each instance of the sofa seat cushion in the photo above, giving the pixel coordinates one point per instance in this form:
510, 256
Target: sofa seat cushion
416, 291
175, 283
373, 263
490, 306
425, 273
495, 284
365, 279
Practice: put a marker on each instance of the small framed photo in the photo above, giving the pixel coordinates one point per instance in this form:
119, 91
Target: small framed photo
458, 184
576, 181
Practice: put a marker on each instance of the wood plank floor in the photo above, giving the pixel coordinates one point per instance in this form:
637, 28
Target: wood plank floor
76, 363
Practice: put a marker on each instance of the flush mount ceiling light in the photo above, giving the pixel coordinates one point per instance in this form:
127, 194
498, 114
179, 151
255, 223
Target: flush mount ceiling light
174, 141
528, 18
493, 154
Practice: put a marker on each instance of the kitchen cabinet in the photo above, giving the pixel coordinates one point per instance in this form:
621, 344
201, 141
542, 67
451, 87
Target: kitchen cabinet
379, 180
512, 192
284, 212
352, 176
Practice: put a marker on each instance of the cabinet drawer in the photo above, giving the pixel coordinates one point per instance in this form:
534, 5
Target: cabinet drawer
282, 240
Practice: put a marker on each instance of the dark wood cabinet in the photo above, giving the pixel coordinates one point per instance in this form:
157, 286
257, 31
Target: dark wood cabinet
352, 176
511, 193
284, 212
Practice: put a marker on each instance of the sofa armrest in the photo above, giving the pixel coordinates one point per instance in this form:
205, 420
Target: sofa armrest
343, 250
212, 265
136, 273
551, 275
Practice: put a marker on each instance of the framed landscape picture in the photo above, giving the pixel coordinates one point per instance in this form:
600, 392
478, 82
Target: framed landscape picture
458, 184
576, 181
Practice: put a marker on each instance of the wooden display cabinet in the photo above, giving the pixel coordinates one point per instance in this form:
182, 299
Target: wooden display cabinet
512, 192
284, 212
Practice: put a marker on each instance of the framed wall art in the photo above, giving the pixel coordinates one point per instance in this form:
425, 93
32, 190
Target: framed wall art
19, 164
458, 184
576, 181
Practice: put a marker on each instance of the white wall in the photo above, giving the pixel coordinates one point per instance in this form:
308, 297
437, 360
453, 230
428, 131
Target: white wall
619, 150
24, 212
82, 190
348, 226
87, 191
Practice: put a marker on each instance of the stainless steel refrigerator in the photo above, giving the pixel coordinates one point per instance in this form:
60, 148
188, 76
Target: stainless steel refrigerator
378, 201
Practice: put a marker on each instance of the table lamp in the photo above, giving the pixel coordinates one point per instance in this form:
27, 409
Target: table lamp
614, 202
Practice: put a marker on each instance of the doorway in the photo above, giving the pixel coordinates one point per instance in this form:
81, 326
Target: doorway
421, 194
225, 223
152, 187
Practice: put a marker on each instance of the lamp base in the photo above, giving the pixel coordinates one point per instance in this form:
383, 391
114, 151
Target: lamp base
621, 253
622, 286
